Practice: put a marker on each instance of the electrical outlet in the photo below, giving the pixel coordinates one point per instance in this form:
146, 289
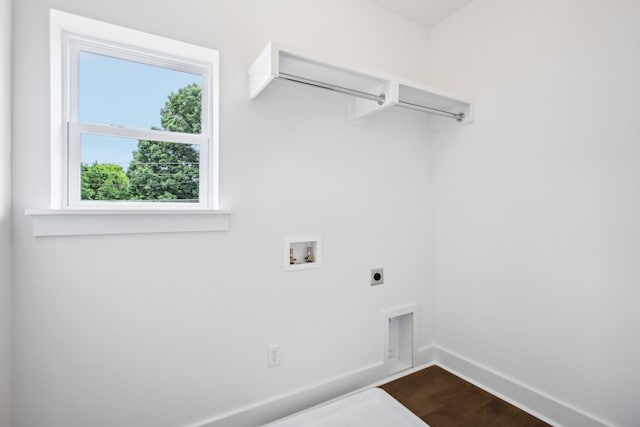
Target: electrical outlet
273, 355
376, 276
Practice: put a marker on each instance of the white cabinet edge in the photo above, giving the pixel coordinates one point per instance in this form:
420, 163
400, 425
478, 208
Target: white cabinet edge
263, 70
72, 222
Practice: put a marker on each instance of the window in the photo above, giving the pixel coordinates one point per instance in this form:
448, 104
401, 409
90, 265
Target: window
134, 133
134, 119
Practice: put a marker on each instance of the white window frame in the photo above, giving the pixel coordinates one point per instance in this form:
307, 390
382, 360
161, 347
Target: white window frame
71, 34
62, 218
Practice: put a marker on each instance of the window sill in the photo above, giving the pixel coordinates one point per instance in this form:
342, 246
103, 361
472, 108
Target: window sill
87, 222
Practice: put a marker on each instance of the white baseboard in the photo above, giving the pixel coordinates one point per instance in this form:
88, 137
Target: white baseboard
286, 404
519, 395
534, 402
425, 356
280, 406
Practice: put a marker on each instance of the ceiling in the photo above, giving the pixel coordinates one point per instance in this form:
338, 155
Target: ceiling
424, 12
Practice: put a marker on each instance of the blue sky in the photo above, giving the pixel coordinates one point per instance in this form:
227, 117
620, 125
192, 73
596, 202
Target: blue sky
117, 92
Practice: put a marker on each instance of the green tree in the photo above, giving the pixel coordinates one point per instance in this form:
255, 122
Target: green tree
104, 181
166, 170
182, 111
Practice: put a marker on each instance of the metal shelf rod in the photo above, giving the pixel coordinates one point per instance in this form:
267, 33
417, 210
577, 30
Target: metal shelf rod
459, 117
380, 99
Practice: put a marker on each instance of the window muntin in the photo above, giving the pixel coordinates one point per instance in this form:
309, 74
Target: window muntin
104, 130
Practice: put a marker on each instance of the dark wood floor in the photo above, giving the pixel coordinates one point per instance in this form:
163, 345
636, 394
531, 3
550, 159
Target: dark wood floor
442, 399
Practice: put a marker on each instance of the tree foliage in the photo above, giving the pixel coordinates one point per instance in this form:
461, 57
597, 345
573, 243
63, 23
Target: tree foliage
104, 181
165, 170
183, 109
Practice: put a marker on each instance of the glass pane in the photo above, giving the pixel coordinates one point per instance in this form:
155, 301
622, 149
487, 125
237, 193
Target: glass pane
115, 91
133, 170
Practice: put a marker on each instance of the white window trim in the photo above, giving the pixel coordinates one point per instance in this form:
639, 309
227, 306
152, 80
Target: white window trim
125, 218
86, 222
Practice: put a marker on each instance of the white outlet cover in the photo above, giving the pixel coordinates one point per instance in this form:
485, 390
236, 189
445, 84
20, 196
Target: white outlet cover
273, 355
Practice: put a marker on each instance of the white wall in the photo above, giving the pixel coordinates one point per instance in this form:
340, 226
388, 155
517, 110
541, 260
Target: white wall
166, 330
537, 204
5, 211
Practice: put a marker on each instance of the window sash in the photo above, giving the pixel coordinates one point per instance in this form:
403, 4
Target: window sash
75, 131
77, 44
137, 133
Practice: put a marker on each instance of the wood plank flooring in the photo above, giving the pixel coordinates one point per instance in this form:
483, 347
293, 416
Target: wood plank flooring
442, 399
